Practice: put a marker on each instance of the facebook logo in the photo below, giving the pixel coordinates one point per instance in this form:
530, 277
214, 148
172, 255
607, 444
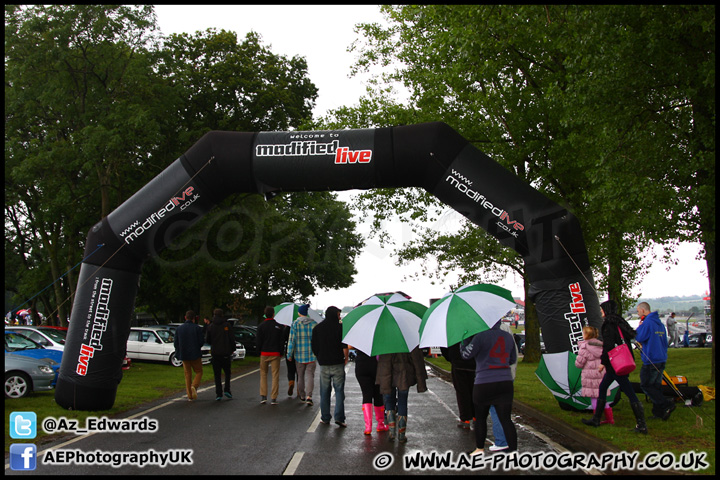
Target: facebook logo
23, 425
23, 456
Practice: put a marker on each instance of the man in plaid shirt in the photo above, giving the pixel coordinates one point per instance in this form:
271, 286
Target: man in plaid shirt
300, 349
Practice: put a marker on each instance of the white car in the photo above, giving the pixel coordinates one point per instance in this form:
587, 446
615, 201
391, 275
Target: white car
156, 343
48, 337
239, 353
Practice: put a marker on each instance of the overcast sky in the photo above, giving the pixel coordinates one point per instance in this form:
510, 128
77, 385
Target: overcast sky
322, 35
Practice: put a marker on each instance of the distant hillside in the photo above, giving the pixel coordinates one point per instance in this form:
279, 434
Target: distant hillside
676, 304
679, 305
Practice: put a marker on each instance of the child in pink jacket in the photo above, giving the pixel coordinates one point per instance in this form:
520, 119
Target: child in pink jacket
588, 360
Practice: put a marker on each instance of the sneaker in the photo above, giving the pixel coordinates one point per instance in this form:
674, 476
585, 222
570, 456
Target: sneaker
228, 394
273, 401
325, 422
463, 424
342, 424
193, 391
263, 400
497, 448
218, 399
309, 402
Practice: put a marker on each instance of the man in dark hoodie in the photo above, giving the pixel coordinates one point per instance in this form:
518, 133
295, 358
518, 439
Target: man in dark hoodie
332, 355
188, 348
222, 345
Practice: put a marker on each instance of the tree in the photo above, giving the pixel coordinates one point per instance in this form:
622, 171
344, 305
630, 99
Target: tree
244, 246
265, 253
77, 100
584, 103
219, 83
96, 105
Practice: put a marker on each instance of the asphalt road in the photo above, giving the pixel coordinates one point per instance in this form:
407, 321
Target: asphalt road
241, 436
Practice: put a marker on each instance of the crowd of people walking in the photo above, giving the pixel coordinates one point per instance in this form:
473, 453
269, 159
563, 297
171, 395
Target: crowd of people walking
482, 371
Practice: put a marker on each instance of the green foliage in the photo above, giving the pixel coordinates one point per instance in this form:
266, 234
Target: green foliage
219, 83
97, 104
679, 434
608, 110
265, 252
77, 96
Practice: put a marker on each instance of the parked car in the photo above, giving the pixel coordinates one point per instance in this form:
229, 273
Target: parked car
246, 337
239, 349
26, 374
156, 343
702, 339
19, 344
48, 337
522, 345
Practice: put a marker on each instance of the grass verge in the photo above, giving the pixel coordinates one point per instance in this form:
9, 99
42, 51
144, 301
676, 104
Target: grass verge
681, 433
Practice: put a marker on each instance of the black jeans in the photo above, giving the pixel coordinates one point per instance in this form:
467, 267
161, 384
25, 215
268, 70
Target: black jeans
464, 383
221, 364
500, 395
623, 381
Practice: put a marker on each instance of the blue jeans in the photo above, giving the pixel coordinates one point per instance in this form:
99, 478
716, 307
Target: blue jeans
497, 429
332, 376
651, 383
397, 398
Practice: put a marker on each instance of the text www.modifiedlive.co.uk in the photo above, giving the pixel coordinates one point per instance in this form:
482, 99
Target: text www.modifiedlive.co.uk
531, 461
119, 459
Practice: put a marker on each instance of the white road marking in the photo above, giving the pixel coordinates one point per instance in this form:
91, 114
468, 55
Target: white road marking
294, 462
144, 412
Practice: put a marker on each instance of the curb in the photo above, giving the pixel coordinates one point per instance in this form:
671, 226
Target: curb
572, 439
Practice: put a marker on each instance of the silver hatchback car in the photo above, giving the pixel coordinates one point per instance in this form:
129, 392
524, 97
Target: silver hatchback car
26, 374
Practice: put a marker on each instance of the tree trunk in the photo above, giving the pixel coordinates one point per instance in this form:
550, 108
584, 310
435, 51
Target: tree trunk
532, 330
205, 300
615, 273
710, 259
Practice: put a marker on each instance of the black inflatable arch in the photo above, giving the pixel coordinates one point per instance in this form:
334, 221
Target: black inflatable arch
432, 156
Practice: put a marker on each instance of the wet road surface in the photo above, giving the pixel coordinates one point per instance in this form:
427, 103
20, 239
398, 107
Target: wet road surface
242, 437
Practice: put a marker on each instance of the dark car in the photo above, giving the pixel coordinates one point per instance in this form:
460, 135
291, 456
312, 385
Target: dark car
521, 347
248, 337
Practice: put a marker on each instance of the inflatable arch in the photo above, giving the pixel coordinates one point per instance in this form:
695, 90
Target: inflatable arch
432, 156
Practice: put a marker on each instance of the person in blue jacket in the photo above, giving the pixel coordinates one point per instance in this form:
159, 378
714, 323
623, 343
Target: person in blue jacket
653, 338
494, 352
188, 348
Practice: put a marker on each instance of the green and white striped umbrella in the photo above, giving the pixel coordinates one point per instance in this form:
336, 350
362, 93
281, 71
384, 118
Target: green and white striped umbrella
383, 324
287, 312
557, 371
466, 311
